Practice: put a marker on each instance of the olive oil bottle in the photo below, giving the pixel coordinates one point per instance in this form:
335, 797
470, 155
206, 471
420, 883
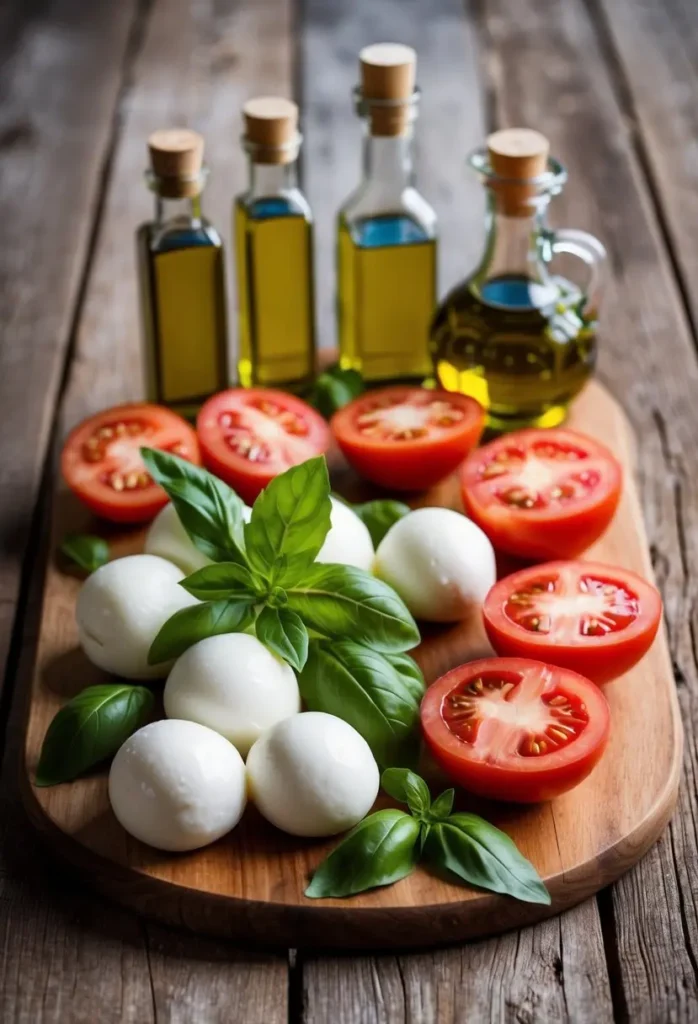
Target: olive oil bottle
273, 229
386, 232
182, 279
516, 336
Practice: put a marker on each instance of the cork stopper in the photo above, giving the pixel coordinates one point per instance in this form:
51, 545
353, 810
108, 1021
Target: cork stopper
271, 127
516, 156
176, 155
387, 76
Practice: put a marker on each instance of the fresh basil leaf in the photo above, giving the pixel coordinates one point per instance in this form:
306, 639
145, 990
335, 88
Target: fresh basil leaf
443, 805
289, 523
340, 601
86, 550
380, 515
360, 685
480, 854
89, 728
189, 625
209, 510
381, 850
283, 632
410, 673
407, 787
334, 388
221, 581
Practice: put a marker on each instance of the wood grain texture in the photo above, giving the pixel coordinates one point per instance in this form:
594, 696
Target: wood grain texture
251, 883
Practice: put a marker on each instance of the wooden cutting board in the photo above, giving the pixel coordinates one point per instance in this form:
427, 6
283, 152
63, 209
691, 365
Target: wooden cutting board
250, 884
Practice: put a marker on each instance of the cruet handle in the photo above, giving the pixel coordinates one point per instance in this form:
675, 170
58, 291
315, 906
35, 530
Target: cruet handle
592, 252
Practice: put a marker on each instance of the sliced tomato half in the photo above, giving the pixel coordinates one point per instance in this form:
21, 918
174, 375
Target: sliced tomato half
596, 619
514, 729
408, 438
250, 435
102, 464
542, 494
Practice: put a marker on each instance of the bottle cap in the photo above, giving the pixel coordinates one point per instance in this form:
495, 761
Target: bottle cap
387, 77
271, 127
517, 156
176, 155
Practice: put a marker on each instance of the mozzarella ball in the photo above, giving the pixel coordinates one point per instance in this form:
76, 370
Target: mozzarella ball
440, 563
121, 609
177, 785
168, 539
348, 541
313, 775
233, 684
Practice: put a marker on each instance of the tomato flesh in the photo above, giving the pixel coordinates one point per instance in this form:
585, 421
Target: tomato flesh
542, 494
248, 436
407, 438
515, 729
596, 619
102, 464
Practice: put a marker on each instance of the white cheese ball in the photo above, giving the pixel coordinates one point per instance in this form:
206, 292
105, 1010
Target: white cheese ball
440, 563
177, 785
121, 609
313, 775
168, 539
233, 684
348, 541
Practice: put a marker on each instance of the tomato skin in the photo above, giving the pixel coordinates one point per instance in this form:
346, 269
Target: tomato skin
520, 779
407, 465
248, 477
555, 532
599, 658
163, 429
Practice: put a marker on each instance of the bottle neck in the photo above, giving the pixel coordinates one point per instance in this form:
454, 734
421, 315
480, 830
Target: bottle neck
272, 179
516, 246
388, 159
183, 211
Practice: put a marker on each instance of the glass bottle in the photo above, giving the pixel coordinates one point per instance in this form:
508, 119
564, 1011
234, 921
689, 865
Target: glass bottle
515, 335
386, 232
273, 228
182, 279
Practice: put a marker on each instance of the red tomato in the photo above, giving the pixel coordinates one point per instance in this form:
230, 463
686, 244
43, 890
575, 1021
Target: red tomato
101, 459
514, 729
408, 438
249, 435
595, 619
542, 494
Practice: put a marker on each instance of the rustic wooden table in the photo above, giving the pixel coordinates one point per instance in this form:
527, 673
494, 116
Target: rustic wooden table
613, 84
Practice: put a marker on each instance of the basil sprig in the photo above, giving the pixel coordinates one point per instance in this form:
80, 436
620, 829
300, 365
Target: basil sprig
90, 728
387, 845
335, 388
86, 550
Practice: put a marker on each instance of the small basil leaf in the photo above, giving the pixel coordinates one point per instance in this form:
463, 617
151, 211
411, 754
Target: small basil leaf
381, 850
443, 805
410, 673
89, 728
334, 388
480, 854
340, 601
86, 550
221, 581
380, 515
290, 520
357, 684
424, 831
189, 625
209, 510
407, 787
283, 632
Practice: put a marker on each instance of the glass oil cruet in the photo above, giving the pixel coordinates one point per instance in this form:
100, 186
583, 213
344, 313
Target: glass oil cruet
386, 247
516, 336
182, 279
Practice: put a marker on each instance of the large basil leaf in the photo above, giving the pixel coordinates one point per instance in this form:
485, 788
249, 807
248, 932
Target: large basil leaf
359, 685
283, 632
380, 515
221, 581
86, 550
209, 510
410, 673
189, 625
409, 788
340, 601
480, 854
289, 523
89, 728
381, 850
